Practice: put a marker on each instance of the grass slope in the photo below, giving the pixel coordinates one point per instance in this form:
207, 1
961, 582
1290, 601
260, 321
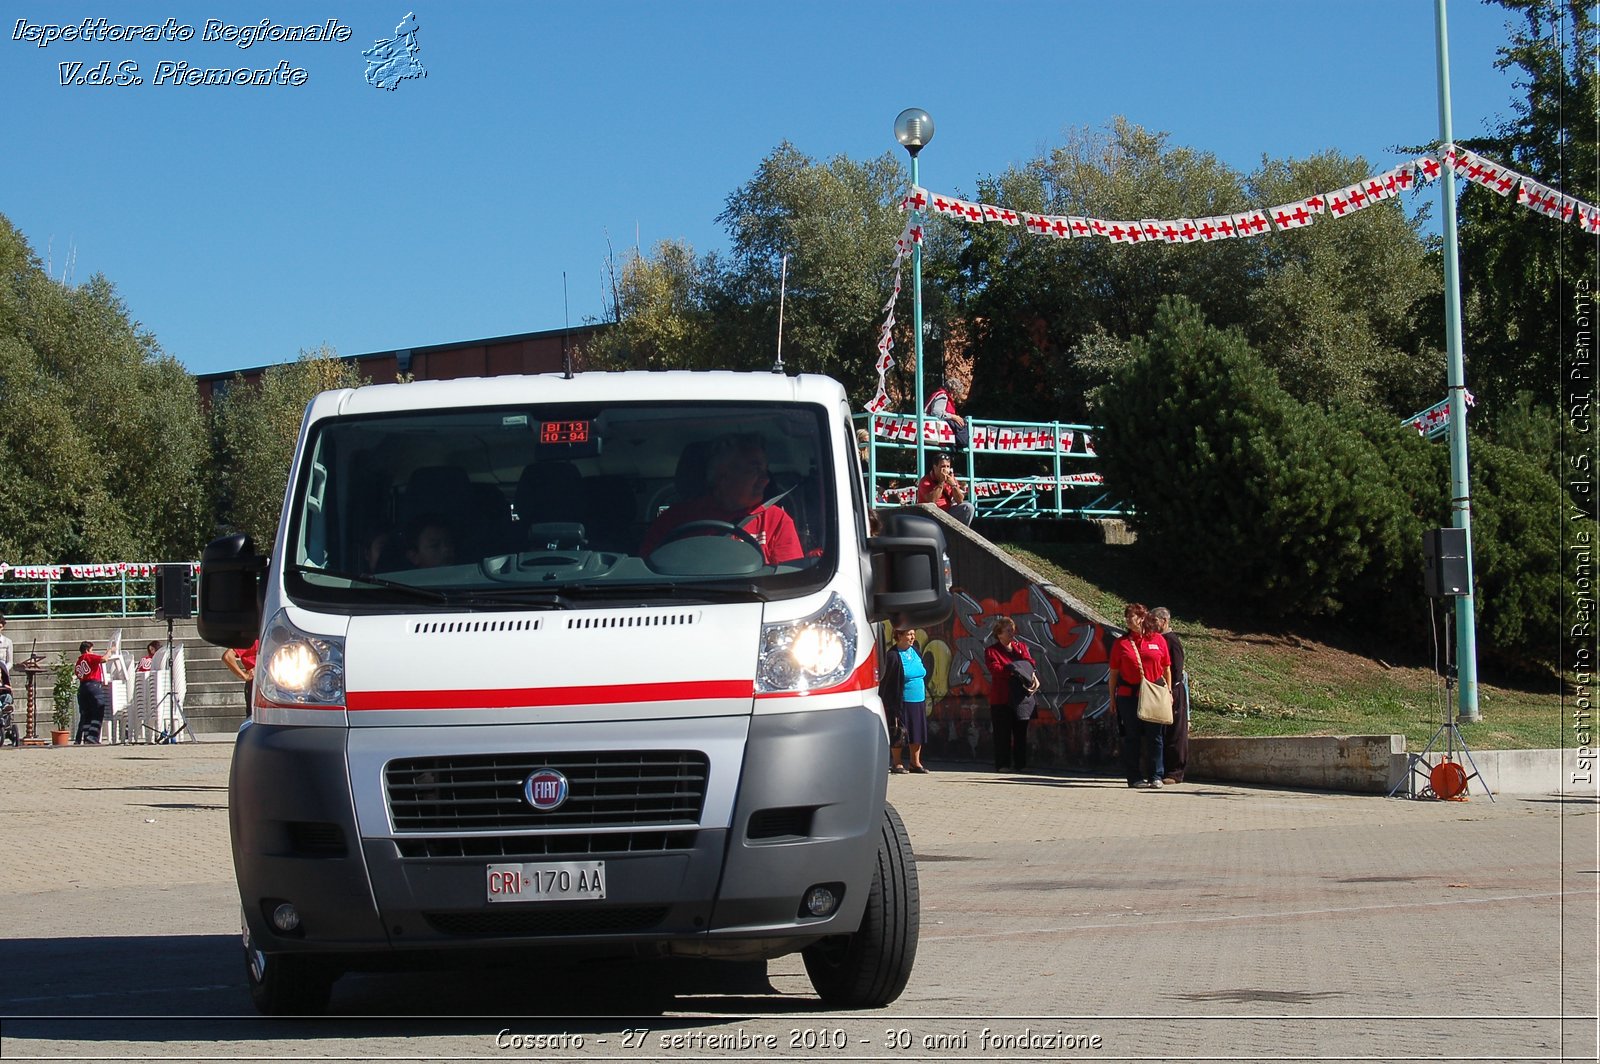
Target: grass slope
1253, 682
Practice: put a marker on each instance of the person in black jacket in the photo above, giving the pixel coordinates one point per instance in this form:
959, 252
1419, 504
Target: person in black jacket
1176, 740
905, 698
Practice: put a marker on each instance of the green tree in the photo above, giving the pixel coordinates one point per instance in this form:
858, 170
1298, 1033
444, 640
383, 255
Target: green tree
255, 427
1287, 508
836, 221
1260, 498
1333, 309
1339, 307
109, 460
1037, 309
1516, 555
1519, 270
661, 320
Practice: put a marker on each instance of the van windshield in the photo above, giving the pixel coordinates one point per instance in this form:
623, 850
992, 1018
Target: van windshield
563, 505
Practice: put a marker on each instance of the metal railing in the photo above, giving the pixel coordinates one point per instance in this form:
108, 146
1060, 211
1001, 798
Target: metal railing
1014, 469
112, 589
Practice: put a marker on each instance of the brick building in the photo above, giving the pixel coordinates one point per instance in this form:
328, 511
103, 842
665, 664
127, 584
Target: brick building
534, 352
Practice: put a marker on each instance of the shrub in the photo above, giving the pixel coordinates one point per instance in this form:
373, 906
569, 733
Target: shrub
1257, 497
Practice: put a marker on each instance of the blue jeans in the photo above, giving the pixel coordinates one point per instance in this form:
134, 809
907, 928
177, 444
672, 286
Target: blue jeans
1138, 737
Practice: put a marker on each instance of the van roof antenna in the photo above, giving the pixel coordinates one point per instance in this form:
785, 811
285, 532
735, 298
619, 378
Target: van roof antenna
783, 284
566, 313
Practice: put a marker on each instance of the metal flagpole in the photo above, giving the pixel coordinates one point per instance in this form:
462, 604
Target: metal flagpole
1460, 496
913, 128
916, 332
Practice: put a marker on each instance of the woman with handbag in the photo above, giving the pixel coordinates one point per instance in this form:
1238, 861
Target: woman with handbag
1010, 734
905, 699
1138, 658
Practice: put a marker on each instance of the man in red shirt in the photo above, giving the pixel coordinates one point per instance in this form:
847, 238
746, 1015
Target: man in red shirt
93, 697
242, 663
736, 484
941, 488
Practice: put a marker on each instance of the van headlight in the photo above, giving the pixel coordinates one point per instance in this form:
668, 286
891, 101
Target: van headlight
808, 654
299, 669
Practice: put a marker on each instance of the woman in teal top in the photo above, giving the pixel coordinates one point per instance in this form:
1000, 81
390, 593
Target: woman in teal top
904, 695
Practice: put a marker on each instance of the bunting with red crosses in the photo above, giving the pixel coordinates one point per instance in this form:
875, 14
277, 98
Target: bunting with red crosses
85, 571
1297, 215
1325, 206
904, 244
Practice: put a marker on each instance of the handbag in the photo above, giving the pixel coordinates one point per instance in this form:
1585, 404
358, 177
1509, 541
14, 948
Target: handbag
1024, 685
1155, 700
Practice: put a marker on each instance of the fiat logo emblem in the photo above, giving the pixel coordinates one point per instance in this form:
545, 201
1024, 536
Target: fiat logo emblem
545, 789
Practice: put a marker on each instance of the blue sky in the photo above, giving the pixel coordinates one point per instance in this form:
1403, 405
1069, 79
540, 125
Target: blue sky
242, 224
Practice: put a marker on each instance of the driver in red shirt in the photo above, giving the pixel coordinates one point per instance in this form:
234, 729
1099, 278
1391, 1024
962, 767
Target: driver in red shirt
736, 484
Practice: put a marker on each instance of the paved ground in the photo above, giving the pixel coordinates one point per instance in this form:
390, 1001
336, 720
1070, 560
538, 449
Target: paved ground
1069, 918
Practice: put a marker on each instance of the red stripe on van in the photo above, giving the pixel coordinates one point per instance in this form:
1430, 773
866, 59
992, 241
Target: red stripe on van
523, 697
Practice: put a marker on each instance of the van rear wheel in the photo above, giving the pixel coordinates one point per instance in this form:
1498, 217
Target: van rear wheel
870, 968
286, 984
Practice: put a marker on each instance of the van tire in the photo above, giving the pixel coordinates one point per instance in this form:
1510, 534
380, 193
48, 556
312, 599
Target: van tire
870, 968
287, 984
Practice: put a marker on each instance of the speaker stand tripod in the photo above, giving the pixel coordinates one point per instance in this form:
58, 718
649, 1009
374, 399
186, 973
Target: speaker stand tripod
169, 700
1445, 779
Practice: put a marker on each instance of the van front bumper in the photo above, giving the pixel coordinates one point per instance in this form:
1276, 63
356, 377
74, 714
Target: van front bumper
791, 801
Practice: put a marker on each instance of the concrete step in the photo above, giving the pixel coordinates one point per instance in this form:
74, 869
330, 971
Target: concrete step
214, 699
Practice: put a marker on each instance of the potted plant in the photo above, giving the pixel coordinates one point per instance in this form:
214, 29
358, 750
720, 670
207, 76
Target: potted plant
63, 693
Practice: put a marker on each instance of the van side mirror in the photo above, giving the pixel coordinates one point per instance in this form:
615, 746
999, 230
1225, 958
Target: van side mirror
231, 592
910, 571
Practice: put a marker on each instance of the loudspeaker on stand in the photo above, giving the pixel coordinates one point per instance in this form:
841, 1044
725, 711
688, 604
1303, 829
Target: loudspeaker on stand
174, 592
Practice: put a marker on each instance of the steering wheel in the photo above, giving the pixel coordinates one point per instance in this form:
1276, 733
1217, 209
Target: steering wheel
690, 528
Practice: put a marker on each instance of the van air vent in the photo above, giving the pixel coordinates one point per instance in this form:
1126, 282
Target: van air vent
638, 620
527, 624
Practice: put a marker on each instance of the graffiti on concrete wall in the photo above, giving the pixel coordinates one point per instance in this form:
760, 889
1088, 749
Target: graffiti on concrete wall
1069, 652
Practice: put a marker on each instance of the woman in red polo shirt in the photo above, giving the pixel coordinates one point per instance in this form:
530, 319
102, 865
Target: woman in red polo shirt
1140, 654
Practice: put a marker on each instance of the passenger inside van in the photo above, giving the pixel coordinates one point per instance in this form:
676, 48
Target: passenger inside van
429, 542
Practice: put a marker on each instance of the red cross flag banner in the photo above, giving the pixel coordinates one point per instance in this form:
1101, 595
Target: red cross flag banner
1377, 189
1589, 218
1399, 180
1537, 197
1427, 168
1251, 223
992, 213
1295, 215
1357, 195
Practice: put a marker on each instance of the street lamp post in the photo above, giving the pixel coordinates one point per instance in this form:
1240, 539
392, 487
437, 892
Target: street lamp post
913, 128
1466, 633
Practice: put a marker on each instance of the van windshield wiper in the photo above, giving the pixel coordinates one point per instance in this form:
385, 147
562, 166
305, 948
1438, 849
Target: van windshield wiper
375, 581
531, 597
667, 590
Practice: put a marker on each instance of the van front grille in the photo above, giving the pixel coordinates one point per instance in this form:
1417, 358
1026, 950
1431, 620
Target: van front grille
580, 844
606, 788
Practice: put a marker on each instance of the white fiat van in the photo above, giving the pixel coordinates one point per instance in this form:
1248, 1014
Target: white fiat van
574, 665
